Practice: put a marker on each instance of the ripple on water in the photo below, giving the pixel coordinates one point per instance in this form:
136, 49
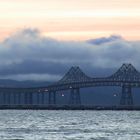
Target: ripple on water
69, 125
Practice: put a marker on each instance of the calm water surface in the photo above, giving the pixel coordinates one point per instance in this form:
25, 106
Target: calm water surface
69, 125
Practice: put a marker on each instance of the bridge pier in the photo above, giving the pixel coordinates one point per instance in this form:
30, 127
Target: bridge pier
25, 98
7, 98
38, 98
16, 97
42, 98
75, 98
126, 97
4, 98
30, 98
52, 97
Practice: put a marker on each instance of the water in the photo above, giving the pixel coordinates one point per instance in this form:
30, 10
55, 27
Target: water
69, 125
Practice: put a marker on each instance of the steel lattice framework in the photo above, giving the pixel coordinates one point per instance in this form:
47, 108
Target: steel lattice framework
76, 78
75, 74
126, 77
126, 73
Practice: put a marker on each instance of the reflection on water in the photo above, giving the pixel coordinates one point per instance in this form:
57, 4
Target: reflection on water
69, 125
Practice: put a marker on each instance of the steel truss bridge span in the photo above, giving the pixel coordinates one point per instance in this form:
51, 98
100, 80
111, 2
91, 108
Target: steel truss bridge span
93, 83
127, 77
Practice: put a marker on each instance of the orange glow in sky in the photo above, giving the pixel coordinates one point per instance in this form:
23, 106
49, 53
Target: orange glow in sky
72, 19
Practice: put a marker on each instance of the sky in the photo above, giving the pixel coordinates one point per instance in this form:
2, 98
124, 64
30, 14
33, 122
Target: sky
28, 55
72, 19
41, 39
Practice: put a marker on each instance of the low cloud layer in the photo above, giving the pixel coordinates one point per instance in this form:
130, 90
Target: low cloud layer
26, 55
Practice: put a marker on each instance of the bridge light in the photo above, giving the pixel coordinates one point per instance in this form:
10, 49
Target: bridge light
62, 95
46, 90
115, 95
70, 87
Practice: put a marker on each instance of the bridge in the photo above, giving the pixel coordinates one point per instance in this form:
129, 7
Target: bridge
126, 77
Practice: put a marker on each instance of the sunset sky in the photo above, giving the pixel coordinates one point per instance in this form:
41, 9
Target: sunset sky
72, 19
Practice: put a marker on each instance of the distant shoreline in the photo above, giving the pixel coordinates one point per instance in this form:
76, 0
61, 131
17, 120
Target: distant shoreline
66, 107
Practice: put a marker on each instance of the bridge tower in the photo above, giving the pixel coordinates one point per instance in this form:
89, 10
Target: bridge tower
52, 98
72, 77
75, 98
127, 75
126, 96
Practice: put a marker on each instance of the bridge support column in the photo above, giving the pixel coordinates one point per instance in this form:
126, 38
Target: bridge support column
30, 98
17, 97
37, 98
25, 98
14, 97
75, 98
8, 98
4, 98
52, 97
126, 97
42, 97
